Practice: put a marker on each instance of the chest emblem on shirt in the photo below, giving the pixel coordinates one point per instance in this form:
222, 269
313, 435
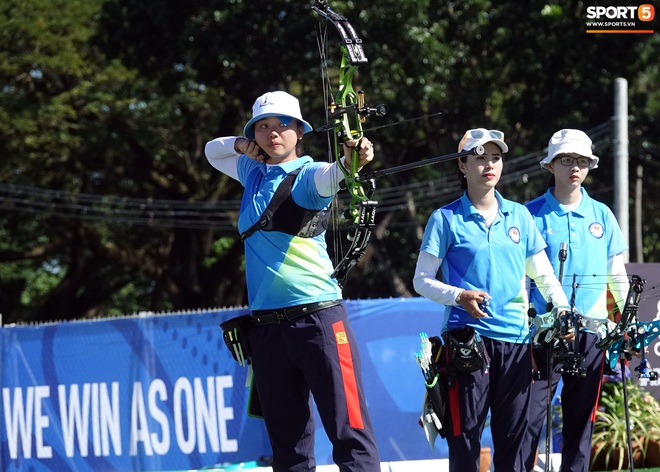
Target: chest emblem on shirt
596, 230
514, 234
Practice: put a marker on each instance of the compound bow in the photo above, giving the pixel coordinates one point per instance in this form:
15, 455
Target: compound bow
630, 336
345, 115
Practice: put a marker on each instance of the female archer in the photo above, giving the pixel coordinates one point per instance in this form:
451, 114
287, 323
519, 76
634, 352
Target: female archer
566, 214
301, 341
485, 246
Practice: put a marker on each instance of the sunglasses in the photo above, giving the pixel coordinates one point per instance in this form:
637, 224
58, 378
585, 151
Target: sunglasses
479, 133
570, 161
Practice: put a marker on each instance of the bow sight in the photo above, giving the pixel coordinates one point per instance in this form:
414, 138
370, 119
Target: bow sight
360, 109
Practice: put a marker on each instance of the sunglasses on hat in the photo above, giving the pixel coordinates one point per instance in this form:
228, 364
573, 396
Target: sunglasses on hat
478, 134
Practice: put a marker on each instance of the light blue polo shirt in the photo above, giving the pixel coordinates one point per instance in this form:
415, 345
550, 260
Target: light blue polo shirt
593, 236
491, 259
283, 270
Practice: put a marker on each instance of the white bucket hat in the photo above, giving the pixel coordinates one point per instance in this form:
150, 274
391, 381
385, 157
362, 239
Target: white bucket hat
480, 136
570, 141
275, 104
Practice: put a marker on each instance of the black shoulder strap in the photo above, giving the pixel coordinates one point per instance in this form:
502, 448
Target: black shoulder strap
281, 194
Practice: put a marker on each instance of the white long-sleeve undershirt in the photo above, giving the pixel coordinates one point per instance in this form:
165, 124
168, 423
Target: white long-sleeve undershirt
428, 286
617, 279
221, 155
537, 267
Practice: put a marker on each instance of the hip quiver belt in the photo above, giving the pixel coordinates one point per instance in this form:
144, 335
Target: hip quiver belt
465, 350
234, 333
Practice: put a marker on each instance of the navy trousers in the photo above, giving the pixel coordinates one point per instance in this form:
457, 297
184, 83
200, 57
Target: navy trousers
579, 399
505, 389
313, 356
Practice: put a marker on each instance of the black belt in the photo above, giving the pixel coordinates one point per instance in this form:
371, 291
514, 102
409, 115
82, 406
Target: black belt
263, 317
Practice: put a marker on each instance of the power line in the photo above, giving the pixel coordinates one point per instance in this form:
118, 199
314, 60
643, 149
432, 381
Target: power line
147, 212
222, 215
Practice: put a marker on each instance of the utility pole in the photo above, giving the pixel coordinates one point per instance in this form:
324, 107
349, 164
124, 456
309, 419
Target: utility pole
639, 237
620, 142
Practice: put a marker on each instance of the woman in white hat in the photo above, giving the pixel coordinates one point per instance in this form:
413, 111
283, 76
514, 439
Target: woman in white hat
301, 341
569, 218
485, 246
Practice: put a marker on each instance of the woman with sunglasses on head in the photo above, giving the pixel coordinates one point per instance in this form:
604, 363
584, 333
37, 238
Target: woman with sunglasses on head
485, 246
587, 231
301, 342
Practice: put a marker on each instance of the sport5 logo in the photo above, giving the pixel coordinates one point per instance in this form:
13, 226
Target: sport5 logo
645, 12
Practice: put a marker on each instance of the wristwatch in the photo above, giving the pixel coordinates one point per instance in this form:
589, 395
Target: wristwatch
458, 297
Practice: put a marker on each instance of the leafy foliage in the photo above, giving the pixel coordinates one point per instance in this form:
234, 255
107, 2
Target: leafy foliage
107, 105
610, 438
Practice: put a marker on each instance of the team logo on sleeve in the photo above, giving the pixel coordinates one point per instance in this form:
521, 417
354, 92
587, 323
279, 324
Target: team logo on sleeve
596, 230
514, 234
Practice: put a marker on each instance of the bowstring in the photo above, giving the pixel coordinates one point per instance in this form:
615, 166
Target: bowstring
322, 45
594, 284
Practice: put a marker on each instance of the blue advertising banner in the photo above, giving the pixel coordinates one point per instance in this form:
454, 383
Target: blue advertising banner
143, 393
161, 392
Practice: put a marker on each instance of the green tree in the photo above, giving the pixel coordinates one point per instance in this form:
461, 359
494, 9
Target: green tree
111, 207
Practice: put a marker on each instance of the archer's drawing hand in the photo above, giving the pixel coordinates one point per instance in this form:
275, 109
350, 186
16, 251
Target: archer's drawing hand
365, 152
250, 148
474, 301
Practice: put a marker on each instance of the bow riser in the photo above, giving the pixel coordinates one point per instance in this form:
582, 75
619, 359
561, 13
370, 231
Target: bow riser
348, 126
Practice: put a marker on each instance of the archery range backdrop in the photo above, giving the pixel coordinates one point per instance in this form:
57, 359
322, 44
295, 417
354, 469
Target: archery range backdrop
161, 392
